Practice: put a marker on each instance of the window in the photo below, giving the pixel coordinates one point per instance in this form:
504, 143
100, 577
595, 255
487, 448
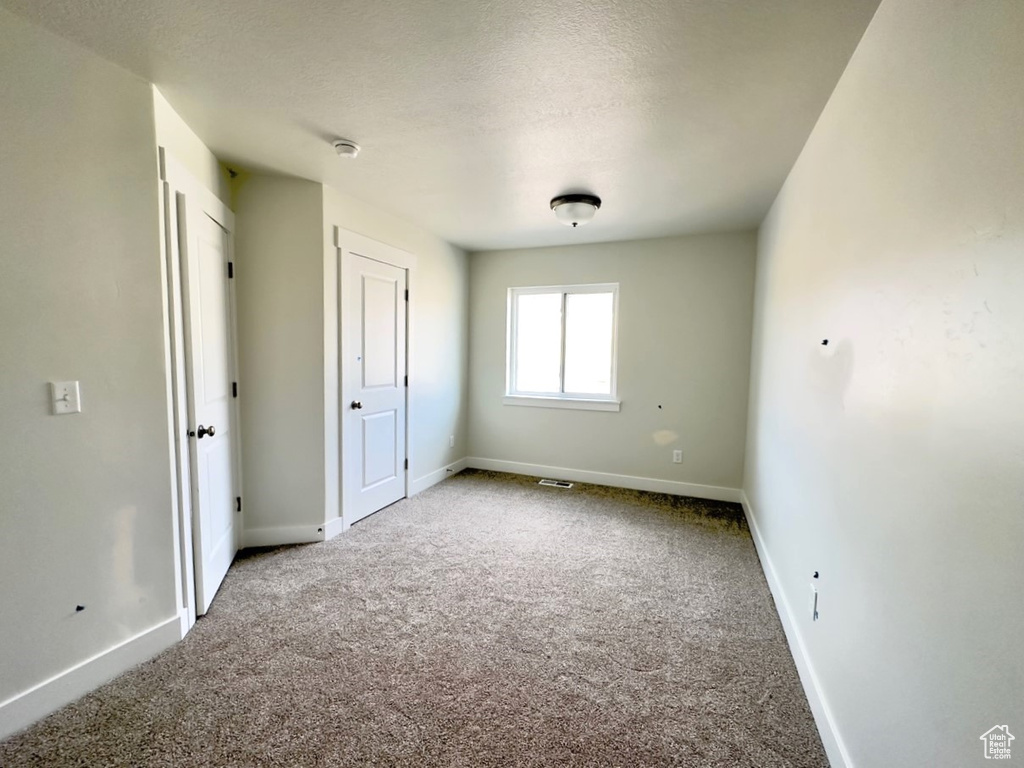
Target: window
561, 346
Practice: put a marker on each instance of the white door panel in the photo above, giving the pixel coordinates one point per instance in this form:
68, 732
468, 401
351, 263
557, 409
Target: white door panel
374, 367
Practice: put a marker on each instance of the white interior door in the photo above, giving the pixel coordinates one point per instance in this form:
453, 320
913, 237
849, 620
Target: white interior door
212, 419
374, 368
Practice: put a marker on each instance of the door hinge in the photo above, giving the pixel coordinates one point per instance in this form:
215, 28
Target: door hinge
231, 269
406, 463
406, 294
238, 503
234, 389
407, 381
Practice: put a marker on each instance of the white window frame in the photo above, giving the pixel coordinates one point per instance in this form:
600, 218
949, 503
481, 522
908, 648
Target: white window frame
570, 400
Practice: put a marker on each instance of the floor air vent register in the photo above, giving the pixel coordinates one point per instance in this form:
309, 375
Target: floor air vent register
556, 483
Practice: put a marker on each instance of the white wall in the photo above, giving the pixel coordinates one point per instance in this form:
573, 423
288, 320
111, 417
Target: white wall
684, 343
279, 285
85, 507
892, 461
173, 134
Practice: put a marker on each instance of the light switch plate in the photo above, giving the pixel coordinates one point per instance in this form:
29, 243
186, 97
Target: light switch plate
66, 397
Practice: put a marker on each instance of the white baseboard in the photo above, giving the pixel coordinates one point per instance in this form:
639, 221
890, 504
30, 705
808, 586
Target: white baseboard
27, 707
186, 622
333, 527
673, 487
287, 534
435, 477
835, 748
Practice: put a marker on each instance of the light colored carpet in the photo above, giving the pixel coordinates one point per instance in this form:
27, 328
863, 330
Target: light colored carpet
486, 622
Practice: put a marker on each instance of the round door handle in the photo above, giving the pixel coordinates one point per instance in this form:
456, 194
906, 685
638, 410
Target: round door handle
356, 405
204, 431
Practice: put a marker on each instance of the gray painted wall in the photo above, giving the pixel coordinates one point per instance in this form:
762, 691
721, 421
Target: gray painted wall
280, 313
684, 344
85, 499
892, 460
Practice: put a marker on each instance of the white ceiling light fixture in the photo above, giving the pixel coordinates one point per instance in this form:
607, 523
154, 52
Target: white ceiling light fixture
345, 148
574, 210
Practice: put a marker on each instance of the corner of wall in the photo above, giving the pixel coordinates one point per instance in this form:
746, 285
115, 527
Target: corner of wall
175, 135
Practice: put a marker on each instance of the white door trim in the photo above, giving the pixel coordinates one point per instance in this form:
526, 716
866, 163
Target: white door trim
185, 592
386, 254
174, 175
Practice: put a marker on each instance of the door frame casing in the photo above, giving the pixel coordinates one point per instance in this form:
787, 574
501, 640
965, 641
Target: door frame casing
175, 178
348, 242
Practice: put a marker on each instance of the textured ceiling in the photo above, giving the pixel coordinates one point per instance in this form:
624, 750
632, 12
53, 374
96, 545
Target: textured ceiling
683, 115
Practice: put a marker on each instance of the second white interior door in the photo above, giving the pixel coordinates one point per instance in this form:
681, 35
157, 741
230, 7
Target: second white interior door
210, 403
374, 319
205, 414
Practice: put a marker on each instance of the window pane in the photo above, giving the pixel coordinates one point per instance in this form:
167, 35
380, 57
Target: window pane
588, 343
538, 342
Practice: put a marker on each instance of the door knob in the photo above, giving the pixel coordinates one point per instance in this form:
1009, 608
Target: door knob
356, 405
204, 431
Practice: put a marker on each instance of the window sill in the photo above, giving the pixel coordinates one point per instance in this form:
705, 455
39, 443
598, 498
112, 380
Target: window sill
570, 403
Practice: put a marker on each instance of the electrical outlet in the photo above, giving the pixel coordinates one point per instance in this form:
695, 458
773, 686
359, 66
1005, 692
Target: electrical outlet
451, 441
677, 457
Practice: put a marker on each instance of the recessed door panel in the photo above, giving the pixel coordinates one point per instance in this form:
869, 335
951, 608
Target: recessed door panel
380, 331
213, 311
379, 447
220, 494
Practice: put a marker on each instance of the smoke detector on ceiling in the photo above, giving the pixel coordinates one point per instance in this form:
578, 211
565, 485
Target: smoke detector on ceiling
573, 210
345, 148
